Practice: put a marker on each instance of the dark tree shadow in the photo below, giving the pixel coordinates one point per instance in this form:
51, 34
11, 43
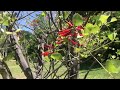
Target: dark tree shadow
86, 65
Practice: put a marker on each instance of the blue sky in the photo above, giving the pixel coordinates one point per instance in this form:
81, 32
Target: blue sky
30, 17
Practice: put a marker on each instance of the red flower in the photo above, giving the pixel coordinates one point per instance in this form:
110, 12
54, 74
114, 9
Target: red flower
59, 42
80, 45
35, 21
81, 35
46, 53
73, 42
79, 28
48, 46
33, 24
74, 34
65, 32
59, 38
70, 24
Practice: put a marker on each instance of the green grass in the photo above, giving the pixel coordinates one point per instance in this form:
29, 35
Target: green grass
15, 69
95, 73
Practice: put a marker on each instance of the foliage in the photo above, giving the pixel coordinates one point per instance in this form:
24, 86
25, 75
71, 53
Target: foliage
69, 38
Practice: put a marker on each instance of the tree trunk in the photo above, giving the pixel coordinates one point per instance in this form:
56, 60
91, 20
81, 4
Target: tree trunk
21, 59
74, 69
5, 71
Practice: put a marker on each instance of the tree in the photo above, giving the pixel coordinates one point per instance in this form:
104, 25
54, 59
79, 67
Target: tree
65, 37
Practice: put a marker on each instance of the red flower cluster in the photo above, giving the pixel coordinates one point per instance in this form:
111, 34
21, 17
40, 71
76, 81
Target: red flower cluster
46, 53
69, 33
35, 22
70, 25
79, 28
48, 46
64, 32
59, 40
74, 34
73, 42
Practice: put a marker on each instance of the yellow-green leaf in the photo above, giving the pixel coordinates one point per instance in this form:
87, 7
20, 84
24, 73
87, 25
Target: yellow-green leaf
56, 56
66, 14
6, 22
76, 50
113, 19
43, 14
112, 36
18, 30
113, 65
9, 33
77, 19
46, 58
103, 19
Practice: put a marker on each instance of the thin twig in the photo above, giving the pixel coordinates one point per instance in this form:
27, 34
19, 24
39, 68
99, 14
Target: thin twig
26, 15
51, 17
60, 22
54, 71
89, 70
102, 65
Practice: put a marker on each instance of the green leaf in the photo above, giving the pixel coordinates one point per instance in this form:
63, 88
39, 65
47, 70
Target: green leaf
76, 50
110, 67
118, 52
77, 19
56, 56
90, 28
113, 19
43, 14
46, 58
1, 57
113, 56
103, 19
1, 20
18, 30
113, 65
112, 36
99, 54
105, 47
6, 23
84, 55
9, 33
66, 14
95, 29
2, 30
13, 19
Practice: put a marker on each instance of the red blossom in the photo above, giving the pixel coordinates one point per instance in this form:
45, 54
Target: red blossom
46, 53
59, 38
73, 42
79, 28
80, 45
70, 24
33, 24
81, 34
48, 46
59, 42
35, 21
64, 32
74, 34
